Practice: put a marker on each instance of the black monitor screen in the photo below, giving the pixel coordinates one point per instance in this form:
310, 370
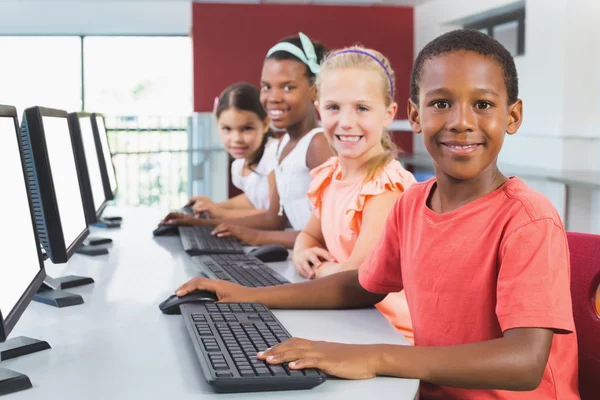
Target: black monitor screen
91, 157
21, 262
112, 178
64, 175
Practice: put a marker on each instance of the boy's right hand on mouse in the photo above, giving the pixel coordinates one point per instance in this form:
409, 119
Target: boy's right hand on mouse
225, 291
308, 260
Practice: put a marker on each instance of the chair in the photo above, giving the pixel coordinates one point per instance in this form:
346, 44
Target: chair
585, 278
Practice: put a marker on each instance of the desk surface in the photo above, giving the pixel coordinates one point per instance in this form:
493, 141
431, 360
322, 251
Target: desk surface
118, 345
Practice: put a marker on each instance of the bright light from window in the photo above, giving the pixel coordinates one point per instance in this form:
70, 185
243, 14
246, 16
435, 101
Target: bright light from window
138, 75
41, 71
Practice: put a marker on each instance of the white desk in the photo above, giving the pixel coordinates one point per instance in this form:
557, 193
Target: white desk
118, 345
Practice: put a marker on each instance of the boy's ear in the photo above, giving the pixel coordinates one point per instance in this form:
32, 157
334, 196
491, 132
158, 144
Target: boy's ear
414, 118
316, 103
515, 117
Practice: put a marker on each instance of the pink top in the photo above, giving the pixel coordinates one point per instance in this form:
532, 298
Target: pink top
339, 205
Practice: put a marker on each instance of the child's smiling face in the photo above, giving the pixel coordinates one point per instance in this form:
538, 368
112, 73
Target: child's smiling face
463, 112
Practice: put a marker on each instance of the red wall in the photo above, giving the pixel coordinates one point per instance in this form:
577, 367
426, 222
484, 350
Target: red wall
230, 41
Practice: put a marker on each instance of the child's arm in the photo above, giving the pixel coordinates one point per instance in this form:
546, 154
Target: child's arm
256, 237
513, 362
375, 213
310, 248
268, 220
237, 202
338, 291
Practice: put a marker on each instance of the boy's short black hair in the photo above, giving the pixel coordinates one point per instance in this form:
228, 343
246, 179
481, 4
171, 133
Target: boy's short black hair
467, 40
320, 51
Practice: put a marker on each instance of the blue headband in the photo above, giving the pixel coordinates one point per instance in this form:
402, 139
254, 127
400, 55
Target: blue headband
366, 53
307, 54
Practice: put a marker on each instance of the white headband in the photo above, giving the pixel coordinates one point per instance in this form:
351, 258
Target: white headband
308, 56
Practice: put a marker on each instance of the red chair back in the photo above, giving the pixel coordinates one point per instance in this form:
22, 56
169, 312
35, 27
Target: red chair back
585, 279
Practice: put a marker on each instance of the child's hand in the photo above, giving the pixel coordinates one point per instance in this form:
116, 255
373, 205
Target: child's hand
195, 199
205, 204
308, 260
246, 235
342, 360
180, 219
225, 291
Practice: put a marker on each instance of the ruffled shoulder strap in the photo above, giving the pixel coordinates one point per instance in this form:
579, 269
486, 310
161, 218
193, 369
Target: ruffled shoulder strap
392, 178
321, 178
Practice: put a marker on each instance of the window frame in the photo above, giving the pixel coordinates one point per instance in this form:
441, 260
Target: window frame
490, 22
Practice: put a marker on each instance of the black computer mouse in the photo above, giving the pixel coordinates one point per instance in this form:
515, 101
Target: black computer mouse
270, 253
171, 304
164, 230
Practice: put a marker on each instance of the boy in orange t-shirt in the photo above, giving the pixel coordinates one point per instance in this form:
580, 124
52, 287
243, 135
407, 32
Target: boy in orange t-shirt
483, 258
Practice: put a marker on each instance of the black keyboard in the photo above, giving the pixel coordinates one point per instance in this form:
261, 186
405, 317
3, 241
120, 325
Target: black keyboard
187, 210
227, 337
199, 240
239, 268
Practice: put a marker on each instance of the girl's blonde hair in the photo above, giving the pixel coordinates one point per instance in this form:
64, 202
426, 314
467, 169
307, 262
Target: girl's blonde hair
367, 59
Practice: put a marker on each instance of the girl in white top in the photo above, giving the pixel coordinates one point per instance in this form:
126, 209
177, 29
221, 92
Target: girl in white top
245, 133
288, 94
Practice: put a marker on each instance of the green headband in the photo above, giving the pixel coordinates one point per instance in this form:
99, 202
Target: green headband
307, 55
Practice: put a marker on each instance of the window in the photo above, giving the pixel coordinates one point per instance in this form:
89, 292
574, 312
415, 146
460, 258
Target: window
41, 71
143, 85
138, 75
508, 28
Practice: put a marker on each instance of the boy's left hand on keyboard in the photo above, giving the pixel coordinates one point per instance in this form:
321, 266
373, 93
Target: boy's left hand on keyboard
346, 361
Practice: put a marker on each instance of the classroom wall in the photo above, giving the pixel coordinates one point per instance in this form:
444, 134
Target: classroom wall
559, 82
230, 41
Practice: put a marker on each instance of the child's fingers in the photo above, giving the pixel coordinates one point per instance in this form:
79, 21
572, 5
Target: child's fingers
316, 262
305, 270
324, 254
194, 284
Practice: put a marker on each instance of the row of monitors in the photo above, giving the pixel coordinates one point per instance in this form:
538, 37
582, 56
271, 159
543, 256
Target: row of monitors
57, 176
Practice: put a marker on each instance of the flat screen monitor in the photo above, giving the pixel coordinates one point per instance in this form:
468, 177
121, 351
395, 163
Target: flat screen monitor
22, 271
88, 162
54, 179
109, 177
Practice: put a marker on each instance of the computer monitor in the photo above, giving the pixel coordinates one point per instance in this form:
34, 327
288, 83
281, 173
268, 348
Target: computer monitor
109, 177
86, 154
54, 178
22, 271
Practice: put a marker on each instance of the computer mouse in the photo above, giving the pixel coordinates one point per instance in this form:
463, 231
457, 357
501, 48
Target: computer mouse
164, 230
171, 304
270, 253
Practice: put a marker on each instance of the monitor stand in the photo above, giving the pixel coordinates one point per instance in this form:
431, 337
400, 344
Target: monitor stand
87, 249
113, 218
51, 292
11, 381
107, 223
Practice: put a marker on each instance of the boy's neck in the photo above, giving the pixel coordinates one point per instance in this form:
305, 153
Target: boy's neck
297, 131
452, 193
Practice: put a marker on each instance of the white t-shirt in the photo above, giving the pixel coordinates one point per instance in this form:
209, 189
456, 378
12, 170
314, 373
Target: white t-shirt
293, 180
256, 184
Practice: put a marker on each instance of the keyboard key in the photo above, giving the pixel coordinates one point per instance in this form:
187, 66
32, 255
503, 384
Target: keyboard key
230, 347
